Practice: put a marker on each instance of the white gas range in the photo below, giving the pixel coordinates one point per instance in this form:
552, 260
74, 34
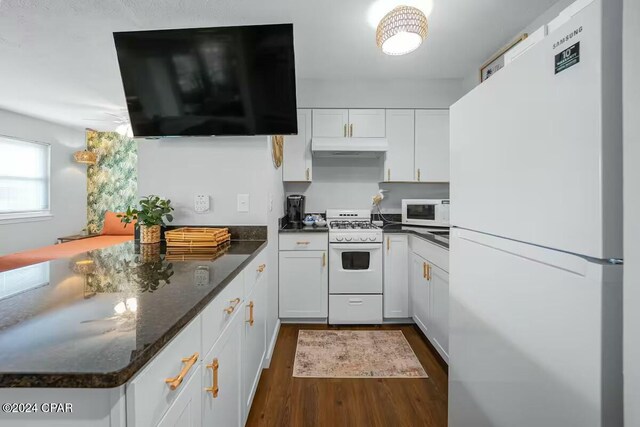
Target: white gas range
355, 267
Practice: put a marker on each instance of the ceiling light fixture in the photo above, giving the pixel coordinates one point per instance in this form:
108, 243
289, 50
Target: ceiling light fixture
86, 157
402, 30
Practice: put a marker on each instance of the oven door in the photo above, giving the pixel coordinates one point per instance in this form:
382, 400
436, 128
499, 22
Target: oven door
355, 268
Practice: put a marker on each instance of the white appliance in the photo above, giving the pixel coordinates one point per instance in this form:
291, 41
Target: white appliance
355, 267
349, 147
535, 274
426, 212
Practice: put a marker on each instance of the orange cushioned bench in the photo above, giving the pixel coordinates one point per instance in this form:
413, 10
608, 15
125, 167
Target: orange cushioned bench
113, 233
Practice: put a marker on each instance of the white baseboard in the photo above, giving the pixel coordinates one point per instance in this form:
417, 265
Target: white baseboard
272, 346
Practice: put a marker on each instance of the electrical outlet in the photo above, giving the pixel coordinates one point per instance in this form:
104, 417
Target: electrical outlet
243, 203
201, 203
201, 275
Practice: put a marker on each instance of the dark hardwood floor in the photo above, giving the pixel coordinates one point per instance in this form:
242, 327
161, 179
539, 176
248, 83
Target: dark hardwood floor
282, 400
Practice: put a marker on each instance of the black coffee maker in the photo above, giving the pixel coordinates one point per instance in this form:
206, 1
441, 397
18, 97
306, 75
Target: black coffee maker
295, 209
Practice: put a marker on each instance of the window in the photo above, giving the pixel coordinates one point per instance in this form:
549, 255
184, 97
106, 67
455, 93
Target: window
24, 178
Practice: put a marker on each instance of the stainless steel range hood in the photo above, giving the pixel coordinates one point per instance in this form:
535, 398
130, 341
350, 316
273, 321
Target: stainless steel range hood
349, 147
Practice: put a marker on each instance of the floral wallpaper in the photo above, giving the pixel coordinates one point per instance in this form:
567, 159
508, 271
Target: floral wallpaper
112, 183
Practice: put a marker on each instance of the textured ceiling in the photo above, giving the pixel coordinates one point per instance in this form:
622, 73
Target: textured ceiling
58, 60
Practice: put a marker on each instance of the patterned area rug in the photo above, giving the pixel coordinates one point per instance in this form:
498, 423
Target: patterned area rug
355, 354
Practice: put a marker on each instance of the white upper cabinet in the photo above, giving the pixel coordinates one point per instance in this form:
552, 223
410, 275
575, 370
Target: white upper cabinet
296, 164
432, 145
398, 165
330, 123
337, 123
367, 123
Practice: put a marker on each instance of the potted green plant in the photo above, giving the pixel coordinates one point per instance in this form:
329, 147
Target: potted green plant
150, 215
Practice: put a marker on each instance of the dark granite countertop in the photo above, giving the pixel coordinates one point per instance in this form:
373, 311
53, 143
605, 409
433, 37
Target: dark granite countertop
417, 231
288, 228
94, 320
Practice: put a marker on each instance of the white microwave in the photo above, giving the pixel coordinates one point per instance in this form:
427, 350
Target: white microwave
426, 212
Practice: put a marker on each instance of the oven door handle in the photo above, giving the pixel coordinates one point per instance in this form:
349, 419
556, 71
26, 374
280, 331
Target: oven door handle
356, 247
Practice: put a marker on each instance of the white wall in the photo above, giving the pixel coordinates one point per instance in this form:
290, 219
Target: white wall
473, 76
275, 211
180, 168
631, 93
345, 183
68, 184
371, 93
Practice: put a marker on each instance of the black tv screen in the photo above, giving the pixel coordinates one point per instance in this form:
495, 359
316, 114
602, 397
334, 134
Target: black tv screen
209, 81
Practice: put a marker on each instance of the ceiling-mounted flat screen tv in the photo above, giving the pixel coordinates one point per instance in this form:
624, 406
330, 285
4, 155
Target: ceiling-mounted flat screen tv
209, 81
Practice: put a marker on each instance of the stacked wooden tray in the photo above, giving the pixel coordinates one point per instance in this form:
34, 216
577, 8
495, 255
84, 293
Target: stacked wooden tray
196, 254
196, 237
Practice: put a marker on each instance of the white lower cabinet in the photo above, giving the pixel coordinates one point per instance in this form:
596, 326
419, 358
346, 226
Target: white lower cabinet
221, 386
420, 293
396, 276
254, 343
186, 410
304, 278
429, 285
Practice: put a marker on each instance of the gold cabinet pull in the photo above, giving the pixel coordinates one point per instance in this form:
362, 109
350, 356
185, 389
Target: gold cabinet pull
324, 259
234, 302
428, 271
214, 389
389, 174
250, 321
424, 270
303, 242
261, 267
307, 174
345, 130
388, 243
418, 174
175, 382
351, 130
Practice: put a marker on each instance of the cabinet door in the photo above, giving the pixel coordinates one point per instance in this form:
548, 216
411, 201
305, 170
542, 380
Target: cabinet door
330, 123
186, 410
254, 343
296, 164
223, 369
396, 276
398, 164
439, 319
367, 123
303, 284
420, 293
432, 145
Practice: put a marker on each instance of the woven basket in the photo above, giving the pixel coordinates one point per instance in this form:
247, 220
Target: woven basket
149, 234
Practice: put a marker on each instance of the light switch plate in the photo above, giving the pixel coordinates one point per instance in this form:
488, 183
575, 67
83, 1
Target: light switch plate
202, 203
243, 203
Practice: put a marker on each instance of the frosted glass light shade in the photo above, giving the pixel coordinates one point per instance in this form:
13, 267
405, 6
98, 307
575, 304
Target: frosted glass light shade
402, 30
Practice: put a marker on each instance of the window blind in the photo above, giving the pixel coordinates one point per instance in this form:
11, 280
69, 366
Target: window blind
24, 176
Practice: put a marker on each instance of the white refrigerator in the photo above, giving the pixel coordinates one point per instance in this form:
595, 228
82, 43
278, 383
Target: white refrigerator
536, 248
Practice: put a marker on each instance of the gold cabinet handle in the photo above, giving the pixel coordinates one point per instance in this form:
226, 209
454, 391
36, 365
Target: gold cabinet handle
428, 271
424, 270
261, 268
388, 243
307, 174
303, 242
175, 382
250, 321
234, 302
345, 130
324, 259
389, 174
351, 130
418, 174
214, 389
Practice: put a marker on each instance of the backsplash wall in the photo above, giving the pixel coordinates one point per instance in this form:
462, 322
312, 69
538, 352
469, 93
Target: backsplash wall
350, 183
